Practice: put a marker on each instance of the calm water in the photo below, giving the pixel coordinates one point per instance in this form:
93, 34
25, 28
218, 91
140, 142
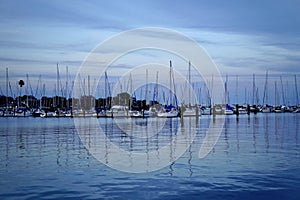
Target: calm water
254, 158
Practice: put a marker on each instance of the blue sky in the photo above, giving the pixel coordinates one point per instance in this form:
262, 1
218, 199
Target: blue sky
242, 37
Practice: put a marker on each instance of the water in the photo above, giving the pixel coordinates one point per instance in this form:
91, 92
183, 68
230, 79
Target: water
254, 158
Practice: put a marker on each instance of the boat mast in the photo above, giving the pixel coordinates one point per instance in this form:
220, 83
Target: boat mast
84, 92
257, 97
89, 92
286, 93
6, 88
57, 79
296, 88
212, 93
173, 80
27, 81
57, 85
236, 89
107, 89
44, 94
245, 96
156, 92
155, 89
265, 99
275, 94
189, 85
283, 95
226, 90
146, 96
253, 90
11, 92
89, 86
170, 82
130, 90
105, 85
67, 87
38, 91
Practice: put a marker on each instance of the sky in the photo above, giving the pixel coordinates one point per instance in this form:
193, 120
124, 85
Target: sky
241, 37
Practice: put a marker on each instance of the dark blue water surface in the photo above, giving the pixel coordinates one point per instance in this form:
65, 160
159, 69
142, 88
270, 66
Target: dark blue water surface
256, 157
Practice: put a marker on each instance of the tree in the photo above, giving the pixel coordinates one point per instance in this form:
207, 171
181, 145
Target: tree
21, 83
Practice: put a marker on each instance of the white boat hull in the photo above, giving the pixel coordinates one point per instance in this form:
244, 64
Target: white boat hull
168, 114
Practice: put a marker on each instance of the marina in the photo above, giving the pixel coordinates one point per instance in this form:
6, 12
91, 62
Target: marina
59, 147
126, 104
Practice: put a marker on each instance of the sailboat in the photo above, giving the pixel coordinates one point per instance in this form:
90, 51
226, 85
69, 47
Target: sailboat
277, 108
120, 109
296, 107
37, 113
22, 112
266, 108
188, 110
143, 111
208, 108
102, 110
169, 111
155, 107
7, 112
228, 110
242, 110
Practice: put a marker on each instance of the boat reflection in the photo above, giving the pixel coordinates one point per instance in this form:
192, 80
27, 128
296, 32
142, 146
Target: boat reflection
148, 144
